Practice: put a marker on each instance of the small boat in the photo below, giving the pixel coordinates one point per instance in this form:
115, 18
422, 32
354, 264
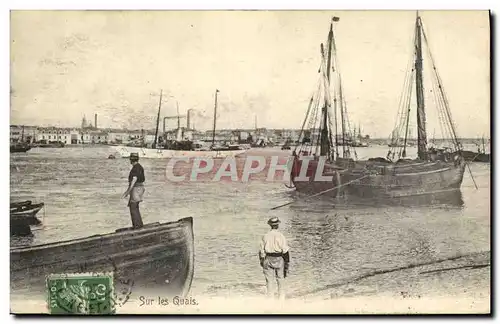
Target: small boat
482, 157
46, 144
19, 147
479, 156
22, 216
20, 204
155, 260
286, 147
26, 209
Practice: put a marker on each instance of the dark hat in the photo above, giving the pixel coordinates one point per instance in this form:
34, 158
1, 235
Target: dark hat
273, 221
134, 156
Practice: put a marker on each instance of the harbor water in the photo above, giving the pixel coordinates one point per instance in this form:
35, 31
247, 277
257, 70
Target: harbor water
331, 241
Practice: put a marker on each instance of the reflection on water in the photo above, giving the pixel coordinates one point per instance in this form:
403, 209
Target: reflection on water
330, 239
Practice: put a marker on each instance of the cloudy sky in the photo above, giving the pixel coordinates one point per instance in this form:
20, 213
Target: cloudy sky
68, 64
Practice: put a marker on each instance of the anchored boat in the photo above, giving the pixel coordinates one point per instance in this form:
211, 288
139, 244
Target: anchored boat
155, 260
180, 148
384, 177
19, 147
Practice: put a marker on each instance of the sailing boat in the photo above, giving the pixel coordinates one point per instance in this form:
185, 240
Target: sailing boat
21, 146
397, 141
170, 151
384, 177
357, 140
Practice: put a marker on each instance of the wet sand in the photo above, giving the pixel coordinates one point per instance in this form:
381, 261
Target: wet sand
456, 286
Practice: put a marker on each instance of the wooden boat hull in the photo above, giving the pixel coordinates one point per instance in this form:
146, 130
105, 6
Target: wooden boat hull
20, 204
25, 219
156, 260
26, 208
19, 148
148, 153
397, 182
482, 157
386, 180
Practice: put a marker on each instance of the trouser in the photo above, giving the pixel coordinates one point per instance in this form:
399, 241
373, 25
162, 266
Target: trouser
274, 267
135, 214
135, 198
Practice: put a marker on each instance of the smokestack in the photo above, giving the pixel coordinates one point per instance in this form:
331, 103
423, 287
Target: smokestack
188, 119
95, 121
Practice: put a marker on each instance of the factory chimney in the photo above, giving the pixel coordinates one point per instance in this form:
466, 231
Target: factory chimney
189, 119
95, 121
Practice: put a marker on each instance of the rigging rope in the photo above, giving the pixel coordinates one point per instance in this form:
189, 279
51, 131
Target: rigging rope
325, 191
402, 118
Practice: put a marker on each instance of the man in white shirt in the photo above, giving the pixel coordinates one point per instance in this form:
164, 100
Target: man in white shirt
274, 258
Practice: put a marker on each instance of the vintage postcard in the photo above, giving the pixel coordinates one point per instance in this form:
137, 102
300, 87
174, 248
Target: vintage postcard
250, 162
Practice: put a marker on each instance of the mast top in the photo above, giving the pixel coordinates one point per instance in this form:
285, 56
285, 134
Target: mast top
417, 18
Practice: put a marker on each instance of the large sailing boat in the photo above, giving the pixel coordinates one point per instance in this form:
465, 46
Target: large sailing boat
180, 148
380, 177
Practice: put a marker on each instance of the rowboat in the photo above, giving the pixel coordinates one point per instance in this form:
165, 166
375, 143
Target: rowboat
20, 204
22, 216
25, 209
155, 260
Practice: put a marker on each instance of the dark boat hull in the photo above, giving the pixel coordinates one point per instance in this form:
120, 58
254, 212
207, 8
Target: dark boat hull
20, 204
23, 216
482, 157
156, 260
476, 157
25, 208
386, 180
19, 148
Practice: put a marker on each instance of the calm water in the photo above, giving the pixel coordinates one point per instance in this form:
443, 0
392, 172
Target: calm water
81, 189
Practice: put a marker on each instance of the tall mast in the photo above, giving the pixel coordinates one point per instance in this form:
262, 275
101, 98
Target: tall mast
421, 135
158, 120
178, 117
325, 145
342, 120
215, 117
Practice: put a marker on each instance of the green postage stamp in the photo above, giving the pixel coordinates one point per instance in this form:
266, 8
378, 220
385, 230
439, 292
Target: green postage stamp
82, 293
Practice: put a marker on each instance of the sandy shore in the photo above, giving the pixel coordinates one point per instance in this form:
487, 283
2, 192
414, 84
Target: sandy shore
460, 285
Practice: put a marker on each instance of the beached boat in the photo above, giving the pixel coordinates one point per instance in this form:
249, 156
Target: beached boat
171, 150
25, 214
393, 175
25, 206
155, 260
15, 205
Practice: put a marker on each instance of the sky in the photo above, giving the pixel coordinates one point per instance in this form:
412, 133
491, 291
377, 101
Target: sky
67, 64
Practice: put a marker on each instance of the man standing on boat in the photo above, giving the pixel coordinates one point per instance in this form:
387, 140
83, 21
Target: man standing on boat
135, 190
274, 258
